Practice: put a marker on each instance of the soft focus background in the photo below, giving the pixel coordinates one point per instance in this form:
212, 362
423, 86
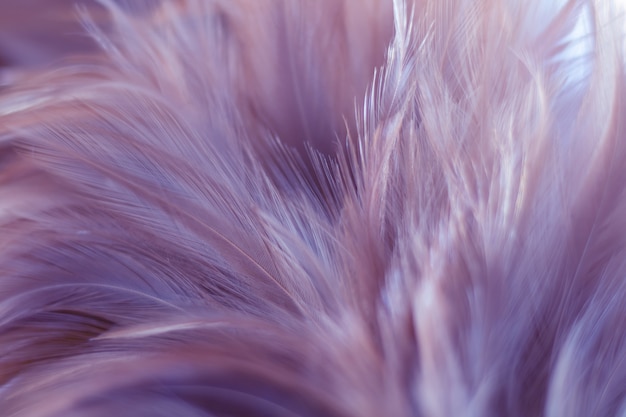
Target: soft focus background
36, 33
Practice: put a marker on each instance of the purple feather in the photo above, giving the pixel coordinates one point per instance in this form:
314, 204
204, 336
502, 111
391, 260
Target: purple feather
313, 208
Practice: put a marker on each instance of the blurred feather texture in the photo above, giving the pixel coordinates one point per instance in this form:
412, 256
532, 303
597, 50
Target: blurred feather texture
316, 208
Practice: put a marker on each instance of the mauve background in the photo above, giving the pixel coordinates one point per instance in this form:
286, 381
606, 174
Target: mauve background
35, 33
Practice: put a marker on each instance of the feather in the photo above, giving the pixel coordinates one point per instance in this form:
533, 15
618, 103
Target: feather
337, 208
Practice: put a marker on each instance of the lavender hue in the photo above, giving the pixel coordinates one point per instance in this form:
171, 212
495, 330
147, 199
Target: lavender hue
316, 208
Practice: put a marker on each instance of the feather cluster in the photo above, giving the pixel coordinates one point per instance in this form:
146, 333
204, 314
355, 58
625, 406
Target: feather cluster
317, 208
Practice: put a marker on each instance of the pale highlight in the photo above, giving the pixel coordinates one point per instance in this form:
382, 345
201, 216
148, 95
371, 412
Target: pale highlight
319, 208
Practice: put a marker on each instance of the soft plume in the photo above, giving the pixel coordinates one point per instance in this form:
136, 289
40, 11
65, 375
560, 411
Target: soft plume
318, 208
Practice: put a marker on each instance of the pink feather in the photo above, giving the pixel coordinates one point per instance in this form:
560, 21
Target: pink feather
313, 208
